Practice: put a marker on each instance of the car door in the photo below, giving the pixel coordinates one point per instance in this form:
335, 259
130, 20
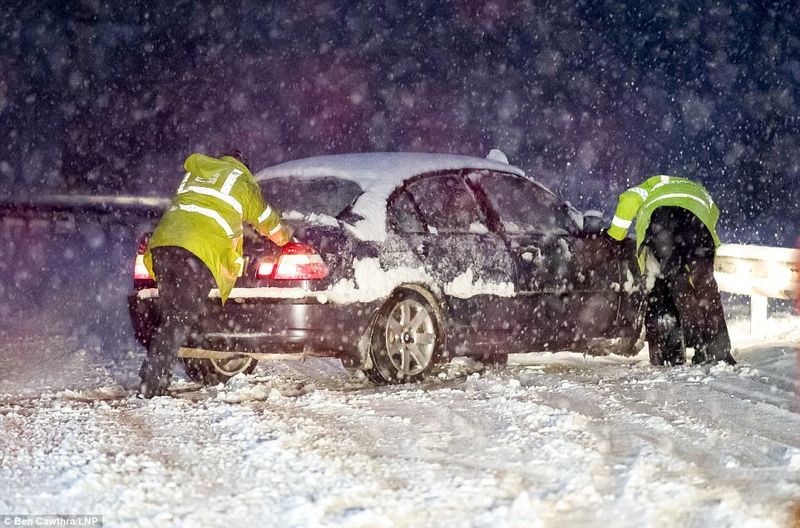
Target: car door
438, 218
569, 281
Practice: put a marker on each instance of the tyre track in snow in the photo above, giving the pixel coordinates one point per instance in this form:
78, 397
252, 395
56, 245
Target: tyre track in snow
491, 447
693, 421
621, 420
421, 430
571, 441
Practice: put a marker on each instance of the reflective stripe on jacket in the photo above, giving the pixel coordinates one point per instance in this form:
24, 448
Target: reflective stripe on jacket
212, 201
640, 201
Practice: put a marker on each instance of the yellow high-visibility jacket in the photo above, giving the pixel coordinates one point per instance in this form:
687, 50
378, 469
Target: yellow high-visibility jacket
640, 201
212, 201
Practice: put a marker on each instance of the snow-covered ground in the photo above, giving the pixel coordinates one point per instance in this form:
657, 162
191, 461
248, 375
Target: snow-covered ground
551, 440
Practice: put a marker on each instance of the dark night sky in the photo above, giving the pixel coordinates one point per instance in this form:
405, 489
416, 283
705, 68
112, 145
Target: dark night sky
589, 97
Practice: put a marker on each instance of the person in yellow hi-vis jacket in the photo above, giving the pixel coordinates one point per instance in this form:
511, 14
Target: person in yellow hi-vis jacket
676, 222
197, 244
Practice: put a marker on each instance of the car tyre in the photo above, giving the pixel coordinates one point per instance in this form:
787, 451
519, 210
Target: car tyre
218, 371
407, 339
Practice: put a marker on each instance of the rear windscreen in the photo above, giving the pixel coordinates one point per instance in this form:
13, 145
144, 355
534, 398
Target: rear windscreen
329, 196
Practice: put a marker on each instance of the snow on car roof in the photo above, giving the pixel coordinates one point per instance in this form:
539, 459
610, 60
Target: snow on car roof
378, 174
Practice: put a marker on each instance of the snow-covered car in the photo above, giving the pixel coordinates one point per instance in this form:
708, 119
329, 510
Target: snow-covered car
401, 261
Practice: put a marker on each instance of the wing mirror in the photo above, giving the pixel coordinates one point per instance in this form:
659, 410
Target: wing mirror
593, 222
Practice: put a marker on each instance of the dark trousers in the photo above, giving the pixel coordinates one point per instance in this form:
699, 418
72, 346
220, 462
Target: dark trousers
183, 285
684, 306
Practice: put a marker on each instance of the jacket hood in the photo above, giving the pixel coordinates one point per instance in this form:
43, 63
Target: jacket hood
201, 164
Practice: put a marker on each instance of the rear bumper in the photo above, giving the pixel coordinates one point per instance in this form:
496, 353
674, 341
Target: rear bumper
267, 325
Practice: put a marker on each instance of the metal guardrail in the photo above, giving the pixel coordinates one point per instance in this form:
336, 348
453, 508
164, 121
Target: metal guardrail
67, 208
759, 272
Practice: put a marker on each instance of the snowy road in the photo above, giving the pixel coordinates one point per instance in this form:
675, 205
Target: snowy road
552, 440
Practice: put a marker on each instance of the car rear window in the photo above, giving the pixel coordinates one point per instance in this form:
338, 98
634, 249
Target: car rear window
328, 195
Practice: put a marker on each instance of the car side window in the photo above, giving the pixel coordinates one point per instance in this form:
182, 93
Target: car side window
446, 203
401, 214
523, 206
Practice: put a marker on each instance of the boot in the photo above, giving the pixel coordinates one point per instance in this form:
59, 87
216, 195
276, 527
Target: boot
667, 345
156, 376
719, 349
700, 355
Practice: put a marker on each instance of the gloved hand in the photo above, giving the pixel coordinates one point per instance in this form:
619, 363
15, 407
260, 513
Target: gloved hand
282, 236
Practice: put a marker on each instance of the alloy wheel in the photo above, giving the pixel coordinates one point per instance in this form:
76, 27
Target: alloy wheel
410, 337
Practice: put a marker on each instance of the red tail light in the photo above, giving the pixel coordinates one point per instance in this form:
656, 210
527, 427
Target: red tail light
296, 262
265, 268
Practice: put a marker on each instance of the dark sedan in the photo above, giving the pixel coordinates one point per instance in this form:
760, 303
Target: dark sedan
401, 261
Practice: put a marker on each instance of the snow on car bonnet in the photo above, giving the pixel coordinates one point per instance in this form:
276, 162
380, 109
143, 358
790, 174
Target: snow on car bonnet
378, 174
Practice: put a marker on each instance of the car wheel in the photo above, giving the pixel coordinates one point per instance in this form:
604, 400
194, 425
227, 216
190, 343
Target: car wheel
216, 371
407, 339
